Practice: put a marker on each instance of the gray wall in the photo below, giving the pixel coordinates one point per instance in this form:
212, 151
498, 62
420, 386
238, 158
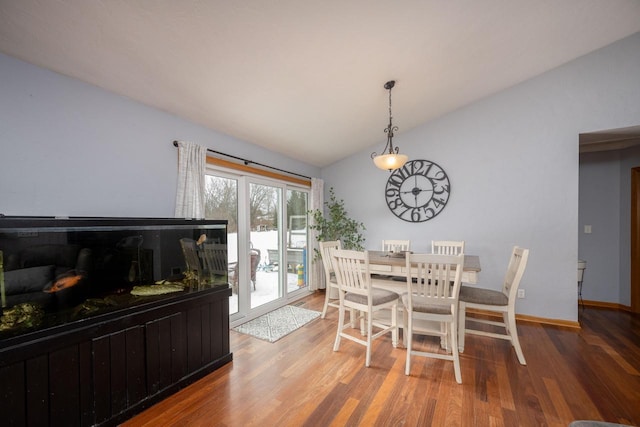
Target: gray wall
512, 159
629, 159
69, 148
605, 204
600, 208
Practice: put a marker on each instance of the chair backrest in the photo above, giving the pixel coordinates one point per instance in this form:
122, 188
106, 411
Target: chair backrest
435, 279
515, 270
396, 245
325, 255
352, 271
447, 247
255, 261
190, 252
215, 258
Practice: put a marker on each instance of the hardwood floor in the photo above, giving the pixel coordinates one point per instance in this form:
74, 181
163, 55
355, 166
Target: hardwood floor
591, 373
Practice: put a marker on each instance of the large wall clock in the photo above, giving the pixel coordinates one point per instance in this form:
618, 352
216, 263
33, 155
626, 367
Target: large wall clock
418, 191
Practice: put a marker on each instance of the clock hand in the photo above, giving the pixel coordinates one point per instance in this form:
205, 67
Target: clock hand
415, 191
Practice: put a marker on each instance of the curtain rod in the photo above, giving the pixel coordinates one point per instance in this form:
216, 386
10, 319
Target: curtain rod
251, 162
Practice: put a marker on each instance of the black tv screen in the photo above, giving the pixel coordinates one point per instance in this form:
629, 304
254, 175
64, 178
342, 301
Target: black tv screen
63, 269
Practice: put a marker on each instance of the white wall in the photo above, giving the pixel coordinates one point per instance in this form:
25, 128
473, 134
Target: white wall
512, 159
69, 148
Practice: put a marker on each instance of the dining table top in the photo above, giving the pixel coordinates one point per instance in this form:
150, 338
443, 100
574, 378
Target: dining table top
471, 262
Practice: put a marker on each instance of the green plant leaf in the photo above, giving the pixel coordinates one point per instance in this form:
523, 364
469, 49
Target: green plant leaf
337, 225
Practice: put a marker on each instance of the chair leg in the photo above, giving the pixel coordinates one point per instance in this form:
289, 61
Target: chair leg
326, 303
461, 325
513, 333
369, 339
405, 327
394, 324
409, 340
336, 344
454, 351
353, 316
444, 338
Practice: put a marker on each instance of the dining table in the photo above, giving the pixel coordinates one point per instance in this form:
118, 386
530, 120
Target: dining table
395, 264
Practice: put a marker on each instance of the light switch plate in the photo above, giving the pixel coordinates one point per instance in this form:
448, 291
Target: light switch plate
587, 229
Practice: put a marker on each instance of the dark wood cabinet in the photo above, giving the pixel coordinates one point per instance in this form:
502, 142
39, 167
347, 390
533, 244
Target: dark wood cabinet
104, 370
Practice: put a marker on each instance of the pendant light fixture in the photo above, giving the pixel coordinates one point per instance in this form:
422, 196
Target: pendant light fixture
390, 159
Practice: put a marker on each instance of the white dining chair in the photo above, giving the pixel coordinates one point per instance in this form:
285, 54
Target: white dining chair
329, 275
430, 302
396, 245
447, 247
502, 302
356, 293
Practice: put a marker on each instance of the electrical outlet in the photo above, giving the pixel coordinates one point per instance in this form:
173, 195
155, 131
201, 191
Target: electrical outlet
520, 293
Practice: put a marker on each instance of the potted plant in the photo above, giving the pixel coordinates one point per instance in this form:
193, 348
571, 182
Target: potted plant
337, 225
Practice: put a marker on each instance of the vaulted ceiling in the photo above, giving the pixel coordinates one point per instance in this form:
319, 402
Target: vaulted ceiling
305, 78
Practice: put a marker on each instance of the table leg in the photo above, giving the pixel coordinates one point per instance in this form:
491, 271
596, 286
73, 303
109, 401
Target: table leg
461, 325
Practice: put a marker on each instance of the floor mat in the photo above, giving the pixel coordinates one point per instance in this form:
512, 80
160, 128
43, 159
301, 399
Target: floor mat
278, 323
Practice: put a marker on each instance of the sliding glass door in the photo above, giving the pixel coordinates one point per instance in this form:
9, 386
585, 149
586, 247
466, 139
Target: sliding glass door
221, 202
297, 240
267, 240
265, 204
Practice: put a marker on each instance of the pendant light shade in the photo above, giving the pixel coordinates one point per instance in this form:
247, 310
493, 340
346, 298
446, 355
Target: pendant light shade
390, 161
390, 158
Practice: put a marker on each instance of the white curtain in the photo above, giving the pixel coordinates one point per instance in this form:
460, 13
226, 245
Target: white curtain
317, 202
192, 159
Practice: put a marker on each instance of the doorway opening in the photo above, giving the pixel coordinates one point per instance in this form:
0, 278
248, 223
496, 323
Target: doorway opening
635, 240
